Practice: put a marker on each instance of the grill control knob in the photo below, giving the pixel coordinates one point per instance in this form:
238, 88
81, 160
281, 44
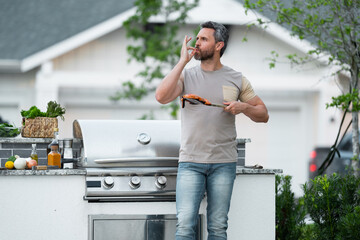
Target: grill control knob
135, 182
161, 182
108, 182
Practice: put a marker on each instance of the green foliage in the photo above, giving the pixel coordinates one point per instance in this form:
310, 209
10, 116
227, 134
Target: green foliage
347, 101
155, 44
333, 27
33, 112
308, 232
53, 110
8, 130
274, 56
350, 225
11, 158
290, 213
333, 201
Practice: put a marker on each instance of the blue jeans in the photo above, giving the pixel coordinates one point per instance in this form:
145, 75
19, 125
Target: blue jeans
193, 180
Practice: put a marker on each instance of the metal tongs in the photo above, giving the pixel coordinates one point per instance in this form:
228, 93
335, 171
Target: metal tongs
195, 99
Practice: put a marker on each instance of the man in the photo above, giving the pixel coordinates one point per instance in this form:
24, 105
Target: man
207, 161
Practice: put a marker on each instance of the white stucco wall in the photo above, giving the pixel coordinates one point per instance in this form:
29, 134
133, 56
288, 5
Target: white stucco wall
16, 93
52, 207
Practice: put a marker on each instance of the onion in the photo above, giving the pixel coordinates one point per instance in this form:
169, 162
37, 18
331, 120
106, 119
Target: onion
31, 163
20, 163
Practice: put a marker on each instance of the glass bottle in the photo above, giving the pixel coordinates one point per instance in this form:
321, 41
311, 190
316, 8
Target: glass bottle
54, 157
33, 154
54, 141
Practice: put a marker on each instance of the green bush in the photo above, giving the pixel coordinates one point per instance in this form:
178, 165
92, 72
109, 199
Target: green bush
350, 225
290, 213
333, 204
307, 232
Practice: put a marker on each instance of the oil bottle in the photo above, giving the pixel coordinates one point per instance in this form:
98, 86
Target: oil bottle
33, 154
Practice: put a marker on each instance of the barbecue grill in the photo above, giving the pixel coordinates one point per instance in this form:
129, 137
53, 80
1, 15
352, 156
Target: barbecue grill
131, 160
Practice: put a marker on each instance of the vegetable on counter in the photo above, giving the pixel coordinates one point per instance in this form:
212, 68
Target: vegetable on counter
10, 163
8, 130
53, 110
30, 163
13, 158
20, 163
33, 112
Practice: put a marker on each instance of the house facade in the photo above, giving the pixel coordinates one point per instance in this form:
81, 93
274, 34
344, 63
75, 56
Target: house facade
83, 70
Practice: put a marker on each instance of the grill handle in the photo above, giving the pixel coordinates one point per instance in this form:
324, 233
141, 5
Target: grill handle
137, 159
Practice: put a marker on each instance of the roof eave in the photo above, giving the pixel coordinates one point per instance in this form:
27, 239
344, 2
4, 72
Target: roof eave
67, 45
10, 66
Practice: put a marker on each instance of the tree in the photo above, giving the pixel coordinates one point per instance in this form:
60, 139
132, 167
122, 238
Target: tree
333, 26
155, 47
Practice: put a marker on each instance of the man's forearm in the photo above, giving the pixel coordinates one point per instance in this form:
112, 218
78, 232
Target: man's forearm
170, 88
257, 113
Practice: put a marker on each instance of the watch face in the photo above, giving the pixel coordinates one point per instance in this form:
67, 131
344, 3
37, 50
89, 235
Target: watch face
143, 138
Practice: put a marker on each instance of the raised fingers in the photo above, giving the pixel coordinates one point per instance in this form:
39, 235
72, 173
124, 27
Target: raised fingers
186, 40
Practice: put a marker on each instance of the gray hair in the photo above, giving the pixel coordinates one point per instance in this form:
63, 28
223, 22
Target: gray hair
221, 34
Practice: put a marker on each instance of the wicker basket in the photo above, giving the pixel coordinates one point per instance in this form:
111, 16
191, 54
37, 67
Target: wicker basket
40, 127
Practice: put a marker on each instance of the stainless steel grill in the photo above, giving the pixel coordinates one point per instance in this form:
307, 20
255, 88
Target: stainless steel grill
121, 143
129, 160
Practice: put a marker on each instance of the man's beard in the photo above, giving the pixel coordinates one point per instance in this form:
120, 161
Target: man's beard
205, 55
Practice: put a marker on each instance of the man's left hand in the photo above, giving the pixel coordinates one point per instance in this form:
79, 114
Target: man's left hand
254, 108
235, 107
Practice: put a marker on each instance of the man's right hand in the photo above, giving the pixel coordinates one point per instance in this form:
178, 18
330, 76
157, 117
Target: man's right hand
172, 85
186, 55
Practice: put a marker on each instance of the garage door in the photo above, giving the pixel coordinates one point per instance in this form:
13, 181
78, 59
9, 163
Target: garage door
282, 143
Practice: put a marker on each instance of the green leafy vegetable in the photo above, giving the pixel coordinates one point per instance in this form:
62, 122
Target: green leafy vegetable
12, 158
53, 110
8, 130
33, 112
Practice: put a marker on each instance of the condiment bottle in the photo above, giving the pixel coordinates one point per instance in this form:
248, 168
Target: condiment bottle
54, 157
54, 141
33, 154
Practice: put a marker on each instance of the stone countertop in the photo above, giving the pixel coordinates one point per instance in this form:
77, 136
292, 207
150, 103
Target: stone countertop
20, 139
66, 172
252, 170
49, 172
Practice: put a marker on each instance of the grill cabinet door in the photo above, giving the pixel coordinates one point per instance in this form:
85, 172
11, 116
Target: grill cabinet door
137, 227
119, 229
161, 229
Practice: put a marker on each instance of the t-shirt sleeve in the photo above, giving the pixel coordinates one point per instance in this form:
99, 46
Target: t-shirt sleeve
247, 92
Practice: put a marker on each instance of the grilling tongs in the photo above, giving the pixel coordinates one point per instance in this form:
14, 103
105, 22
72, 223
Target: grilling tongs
195, 99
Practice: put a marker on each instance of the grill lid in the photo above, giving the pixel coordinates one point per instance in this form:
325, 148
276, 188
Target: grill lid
119, 143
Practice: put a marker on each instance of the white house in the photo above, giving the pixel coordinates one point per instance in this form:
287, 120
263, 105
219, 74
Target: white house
74, 52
